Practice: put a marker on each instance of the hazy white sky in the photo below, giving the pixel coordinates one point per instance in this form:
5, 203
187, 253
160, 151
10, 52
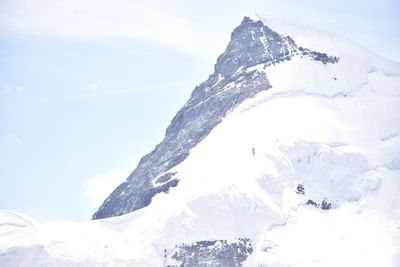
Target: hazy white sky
87, 87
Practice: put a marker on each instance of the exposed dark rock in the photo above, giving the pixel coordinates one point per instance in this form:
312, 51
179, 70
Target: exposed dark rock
252, 43
325, 205
312, 202
300, 189
218, 253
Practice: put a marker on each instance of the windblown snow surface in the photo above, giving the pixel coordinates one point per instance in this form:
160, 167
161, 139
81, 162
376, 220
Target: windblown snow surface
324, 134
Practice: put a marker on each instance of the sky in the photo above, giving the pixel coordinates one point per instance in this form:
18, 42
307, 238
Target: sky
88, 87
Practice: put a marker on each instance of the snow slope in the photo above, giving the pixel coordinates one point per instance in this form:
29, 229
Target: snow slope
334, 129
10, 220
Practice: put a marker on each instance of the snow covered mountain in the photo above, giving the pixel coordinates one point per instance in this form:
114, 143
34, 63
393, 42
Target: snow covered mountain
252, 44
288, 155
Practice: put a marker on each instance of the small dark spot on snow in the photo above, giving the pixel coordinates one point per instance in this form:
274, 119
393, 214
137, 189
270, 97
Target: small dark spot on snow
312, 202
326, 205
300, 189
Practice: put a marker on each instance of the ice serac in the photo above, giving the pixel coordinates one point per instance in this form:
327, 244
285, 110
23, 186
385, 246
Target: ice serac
252, 44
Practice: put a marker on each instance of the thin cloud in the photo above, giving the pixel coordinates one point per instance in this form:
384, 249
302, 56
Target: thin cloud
11, 138
200, 28
90, 20
70, 97
6, 89
93, 87
99, 93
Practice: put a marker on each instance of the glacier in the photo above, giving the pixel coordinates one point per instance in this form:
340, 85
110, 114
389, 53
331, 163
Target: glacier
290, 157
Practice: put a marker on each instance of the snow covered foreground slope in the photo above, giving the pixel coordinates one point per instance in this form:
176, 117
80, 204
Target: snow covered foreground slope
323, 134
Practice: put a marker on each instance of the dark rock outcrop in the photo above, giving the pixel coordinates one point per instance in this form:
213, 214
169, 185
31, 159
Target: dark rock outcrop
300, 189
218, 253
325, 205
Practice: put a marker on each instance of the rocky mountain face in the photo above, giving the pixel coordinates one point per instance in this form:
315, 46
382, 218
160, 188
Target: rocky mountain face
235, 79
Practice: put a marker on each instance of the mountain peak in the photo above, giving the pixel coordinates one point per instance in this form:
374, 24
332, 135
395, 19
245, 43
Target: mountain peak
253, 43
